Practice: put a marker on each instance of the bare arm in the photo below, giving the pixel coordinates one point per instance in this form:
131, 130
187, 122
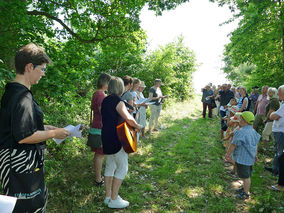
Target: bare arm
244, 104
255, 108
121, 109
274, 116
229, 152
40, 136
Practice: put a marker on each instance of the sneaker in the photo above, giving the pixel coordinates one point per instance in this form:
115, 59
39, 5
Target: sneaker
118, 203
243, 196
106, 201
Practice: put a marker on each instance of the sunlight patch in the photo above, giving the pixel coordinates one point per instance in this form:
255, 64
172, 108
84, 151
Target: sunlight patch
194, 192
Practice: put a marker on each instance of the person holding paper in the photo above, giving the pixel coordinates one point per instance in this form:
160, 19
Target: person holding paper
113, 113
23, 134
142, 109
96, 125
155, 93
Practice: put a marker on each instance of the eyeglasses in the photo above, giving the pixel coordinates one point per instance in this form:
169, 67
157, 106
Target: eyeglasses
41, 68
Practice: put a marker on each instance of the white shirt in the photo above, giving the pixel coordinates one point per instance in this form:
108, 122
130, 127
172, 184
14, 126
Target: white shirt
278, 126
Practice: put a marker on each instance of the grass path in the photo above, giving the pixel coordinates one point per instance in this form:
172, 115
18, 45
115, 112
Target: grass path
179, 169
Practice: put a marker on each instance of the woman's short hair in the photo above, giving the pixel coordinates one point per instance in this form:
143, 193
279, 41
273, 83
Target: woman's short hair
274, 91
103, 80
115, 86
127, 80
136, 81
30, 53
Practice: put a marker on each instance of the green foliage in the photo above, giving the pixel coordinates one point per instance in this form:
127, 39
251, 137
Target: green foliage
258, 40
174, 64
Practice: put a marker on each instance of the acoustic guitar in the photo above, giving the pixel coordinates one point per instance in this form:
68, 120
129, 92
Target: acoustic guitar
128, 136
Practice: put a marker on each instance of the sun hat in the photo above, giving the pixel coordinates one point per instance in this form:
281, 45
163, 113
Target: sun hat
142, 84
235, 118
247, 116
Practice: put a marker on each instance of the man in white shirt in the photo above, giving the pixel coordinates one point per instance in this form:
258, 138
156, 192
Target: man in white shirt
278, 132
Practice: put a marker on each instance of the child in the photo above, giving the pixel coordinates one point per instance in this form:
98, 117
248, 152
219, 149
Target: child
244, 149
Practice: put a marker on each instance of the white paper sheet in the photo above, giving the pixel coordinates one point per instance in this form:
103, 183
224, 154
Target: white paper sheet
74, 130
7, 204
143, 100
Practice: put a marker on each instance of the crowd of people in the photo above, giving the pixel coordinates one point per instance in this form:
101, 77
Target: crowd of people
23, 133
245, 121
121, 104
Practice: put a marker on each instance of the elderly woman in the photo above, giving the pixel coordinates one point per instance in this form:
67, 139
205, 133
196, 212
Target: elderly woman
272, 106
136, 85
96, 126
113, 113
156, 95
22, 133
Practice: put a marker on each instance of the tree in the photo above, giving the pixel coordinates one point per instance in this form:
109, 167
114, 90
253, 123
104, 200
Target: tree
259, 38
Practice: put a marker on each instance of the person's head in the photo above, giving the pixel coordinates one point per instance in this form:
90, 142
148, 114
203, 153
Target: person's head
272, 93
127, 80
103, 80
246, 118
233, 102
243, 91
31, 61
115, 86
233, 89
225, 87
207, 87
142, 86
229, 86
136, 84
264, 90
281, 93
158, 82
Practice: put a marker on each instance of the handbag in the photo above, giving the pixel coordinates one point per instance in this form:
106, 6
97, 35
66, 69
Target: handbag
94, 137
213, 103
29, 188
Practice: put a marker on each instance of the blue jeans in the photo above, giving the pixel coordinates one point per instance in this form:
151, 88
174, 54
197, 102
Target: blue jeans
278, 149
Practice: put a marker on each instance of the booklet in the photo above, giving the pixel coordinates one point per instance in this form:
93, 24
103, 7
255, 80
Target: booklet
74, 130
7, 203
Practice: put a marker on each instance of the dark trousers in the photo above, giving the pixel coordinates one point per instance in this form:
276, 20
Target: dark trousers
278, 149
281, 170
209, 109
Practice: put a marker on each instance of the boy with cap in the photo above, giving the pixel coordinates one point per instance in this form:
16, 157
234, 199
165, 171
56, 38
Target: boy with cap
244, 149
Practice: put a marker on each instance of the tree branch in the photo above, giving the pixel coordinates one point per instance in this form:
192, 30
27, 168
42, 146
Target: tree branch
40, 13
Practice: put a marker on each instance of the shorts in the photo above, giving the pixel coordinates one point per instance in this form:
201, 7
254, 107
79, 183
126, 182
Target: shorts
117, 165
267, 131
97, 150
243, 171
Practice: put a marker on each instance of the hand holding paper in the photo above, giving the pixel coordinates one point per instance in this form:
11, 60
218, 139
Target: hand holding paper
74, 132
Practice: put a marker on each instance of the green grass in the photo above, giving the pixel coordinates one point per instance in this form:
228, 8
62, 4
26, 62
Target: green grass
179, 169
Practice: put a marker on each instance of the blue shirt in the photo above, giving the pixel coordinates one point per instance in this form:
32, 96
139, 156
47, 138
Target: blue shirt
246, 140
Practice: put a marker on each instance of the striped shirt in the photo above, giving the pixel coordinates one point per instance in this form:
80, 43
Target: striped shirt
246, 140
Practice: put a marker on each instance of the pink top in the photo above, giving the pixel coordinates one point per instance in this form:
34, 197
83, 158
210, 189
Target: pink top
97, 100
262, 102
